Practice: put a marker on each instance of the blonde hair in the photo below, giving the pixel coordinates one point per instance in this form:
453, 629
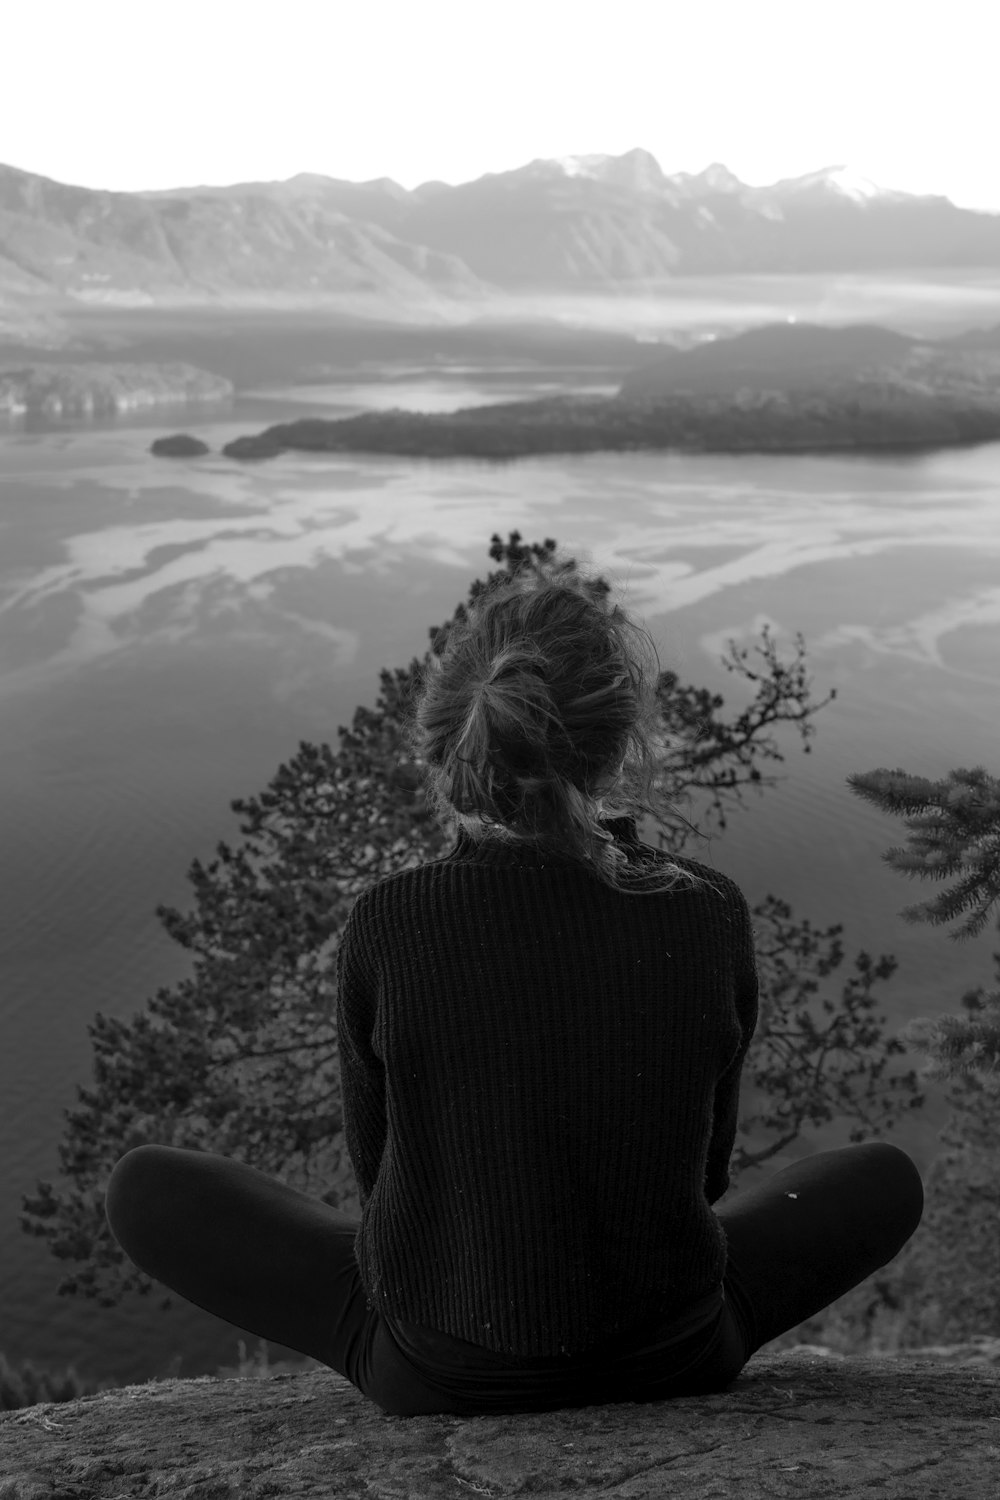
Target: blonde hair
535, 712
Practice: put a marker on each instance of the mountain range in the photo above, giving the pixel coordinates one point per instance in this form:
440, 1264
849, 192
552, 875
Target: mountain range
593, 223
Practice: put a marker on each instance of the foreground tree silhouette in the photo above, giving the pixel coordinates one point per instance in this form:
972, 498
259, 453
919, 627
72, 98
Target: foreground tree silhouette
241, 1057
947, 1278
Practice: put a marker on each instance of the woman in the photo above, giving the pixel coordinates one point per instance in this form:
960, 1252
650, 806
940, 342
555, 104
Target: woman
541, 1039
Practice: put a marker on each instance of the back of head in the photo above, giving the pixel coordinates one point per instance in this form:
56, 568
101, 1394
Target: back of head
538, 714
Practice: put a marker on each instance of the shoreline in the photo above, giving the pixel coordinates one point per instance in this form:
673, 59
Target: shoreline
90, 388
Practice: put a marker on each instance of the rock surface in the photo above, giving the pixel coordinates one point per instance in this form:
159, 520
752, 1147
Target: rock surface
800, 1422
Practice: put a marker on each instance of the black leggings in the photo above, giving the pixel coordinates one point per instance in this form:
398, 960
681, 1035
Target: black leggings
280, 1264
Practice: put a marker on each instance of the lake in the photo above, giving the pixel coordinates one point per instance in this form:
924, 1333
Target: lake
171, 630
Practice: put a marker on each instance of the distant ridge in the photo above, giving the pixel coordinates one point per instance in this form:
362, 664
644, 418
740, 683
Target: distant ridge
779, 356
597, 223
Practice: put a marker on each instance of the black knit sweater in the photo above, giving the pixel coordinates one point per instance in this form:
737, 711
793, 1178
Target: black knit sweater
540, 1088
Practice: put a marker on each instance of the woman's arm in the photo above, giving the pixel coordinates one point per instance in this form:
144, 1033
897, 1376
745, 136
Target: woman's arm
727, 1089
362, 1074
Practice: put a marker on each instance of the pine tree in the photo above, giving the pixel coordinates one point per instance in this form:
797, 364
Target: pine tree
947, 1279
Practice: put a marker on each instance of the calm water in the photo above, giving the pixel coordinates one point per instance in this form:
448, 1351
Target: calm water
172, 630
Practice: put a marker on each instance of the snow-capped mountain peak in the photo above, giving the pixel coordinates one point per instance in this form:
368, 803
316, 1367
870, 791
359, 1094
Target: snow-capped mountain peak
582, 166
853, 184
842, 181
637, 170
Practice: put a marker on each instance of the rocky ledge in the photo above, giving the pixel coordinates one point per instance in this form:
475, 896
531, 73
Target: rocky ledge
801, 1422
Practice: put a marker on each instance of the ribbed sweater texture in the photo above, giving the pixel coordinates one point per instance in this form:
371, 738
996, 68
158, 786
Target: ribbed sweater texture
540, 1083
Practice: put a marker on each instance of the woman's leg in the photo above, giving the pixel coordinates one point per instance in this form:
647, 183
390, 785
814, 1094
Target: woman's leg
280, 1264
814, 1231
243, 1246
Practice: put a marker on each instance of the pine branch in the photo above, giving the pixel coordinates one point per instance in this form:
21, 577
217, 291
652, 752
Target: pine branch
954, 827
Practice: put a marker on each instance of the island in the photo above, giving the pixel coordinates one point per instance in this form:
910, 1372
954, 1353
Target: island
781, 388
261, 445
95, 389
179, 445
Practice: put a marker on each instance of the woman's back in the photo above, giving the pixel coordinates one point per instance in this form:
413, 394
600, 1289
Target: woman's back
535, 1069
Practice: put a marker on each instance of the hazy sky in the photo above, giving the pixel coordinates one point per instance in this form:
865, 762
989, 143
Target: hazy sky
124, 94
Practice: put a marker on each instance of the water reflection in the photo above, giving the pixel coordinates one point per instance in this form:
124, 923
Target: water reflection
134, 552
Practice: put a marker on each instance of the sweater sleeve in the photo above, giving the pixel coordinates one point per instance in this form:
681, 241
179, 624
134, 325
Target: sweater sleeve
362, 1073
727, 1089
